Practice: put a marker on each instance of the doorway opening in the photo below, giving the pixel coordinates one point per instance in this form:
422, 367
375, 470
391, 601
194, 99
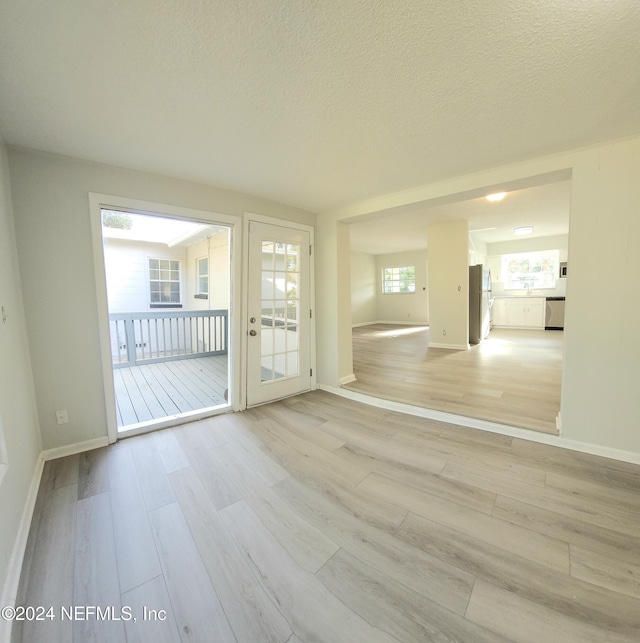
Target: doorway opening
168, 286
524, 389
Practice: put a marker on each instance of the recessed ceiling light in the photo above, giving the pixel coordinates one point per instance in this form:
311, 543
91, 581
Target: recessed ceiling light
498, 196
525, 229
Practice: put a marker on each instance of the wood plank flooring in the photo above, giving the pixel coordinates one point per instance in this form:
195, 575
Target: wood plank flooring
513, 377
320, 519
158, 390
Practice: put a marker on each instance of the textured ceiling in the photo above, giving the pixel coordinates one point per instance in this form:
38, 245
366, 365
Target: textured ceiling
545, 207
317, 103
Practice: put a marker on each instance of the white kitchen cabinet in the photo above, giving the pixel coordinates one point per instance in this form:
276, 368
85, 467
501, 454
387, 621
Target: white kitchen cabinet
499, 311
519, 312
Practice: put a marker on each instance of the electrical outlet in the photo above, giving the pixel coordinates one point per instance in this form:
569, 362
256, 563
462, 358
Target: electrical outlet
62, 417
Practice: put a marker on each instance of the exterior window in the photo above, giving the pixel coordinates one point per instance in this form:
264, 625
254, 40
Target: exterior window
202, 277
164, 282
530, 270
399, 280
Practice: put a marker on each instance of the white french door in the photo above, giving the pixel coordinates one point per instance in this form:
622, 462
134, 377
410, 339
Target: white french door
279, 324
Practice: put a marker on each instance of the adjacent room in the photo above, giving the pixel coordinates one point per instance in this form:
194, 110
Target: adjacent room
510, 372
318, 321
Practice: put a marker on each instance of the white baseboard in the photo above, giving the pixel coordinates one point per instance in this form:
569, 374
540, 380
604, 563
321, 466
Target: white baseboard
559, 422
364, 324
72, 449
347, 379
404, 322
407, 322
485, 425
453, 347
10, 590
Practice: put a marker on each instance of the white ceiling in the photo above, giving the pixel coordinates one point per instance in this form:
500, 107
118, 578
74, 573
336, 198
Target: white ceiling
317, 104
545, 207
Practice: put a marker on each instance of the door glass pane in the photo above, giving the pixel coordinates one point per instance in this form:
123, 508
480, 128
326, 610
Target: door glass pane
292, 258
279, 337
292, 363
280, 366
266, 364
291, 338
292, 312
281, 285
267, 346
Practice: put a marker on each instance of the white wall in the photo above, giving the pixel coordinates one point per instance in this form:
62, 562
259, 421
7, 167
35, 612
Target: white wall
600, 404
216, 247
51, 207
364, 288
18, 415
127, 270
600, 401
404, 307
477, 251
449, 284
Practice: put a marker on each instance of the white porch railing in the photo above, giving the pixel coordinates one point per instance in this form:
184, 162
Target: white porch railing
147, 337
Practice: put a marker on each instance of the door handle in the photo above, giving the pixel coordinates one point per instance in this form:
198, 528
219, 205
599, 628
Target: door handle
252, 333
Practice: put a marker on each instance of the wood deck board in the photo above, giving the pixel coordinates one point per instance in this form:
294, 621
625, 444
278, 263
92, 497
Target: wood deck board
153, 391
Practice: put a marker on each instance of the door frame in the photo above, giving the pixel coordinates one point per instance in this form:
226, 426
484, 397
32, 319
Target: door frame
259, 218
99, 201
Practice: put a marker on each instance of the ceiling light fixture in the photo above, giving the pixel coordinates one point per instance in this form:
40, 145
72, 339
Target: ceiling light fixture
522, 230
498, 196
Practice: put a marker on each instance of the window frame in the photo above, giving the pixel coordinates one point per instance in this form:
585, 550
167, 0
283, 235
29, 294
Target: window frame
398, 280
540, 279
150, 280
201, 294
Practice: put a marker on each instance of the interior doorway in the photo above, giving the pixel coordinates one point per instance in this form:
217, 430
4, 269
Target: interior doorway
518, 264
167, 329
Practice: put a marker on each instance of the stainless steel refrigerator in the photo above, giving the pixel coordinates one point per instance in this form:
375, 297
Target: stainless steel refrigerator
479, 303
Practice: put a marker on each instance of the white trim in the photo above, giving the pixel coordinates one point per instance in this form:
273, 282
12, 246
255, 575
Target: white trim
136, 206
4, 459
520, 327
285, 223
371, 323
392, 323
559, 422
485, 425
72, 449
173, 420
402, 323
95, 218
12, 581
453, 347
347, 379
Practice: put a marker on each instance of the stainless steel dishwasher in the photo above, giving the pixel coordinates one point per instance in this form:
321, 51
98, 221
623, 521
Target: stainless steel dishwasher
554, 313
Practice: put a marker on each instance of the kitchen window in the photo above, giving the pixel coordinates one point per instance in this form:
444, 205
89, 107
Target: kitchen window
530, 270
202, 278
164, 283
399, 280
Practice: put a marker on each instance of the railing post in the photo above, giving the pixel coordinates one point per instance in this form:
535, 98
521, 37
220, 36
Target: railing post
130, 338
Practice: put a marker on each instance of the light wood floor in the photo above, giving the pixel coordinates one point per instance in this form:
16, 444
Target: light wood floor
320, 519
155, 391
513, 377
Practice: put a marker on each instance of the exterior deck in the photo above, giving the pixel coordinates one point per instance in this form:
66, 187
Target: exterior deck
154, 391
